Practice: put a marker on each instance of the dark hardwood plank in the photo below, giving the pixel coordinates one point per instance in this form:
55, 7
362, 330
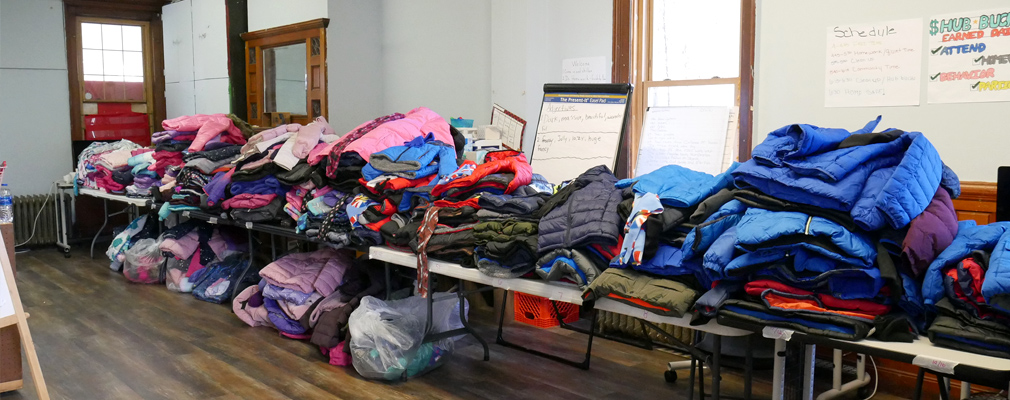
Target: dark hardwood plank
101, 337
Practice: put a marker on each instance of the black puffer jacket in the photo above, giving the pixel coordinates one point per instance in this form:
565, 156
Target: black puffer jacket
588, 216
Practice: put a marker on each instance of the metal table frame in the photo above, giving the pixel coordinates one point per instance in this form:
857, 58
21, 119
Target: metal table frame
131, 210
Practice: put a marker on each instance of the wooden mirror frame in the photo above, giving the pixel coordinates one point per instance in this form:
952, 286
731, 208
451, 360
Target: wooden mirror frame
313, 34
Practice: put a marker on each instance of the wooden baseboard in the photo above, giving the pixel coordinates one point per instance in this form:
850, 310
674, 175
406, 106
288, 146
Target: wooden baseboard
11, 385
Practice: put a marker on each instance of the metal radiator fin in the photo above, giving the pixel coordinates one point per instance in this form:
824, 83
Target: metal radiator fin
26, 208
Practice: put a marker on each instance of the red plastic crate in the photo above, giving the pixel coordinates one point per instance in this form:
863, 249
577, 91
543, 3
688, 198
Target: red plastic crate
537, 311
130, 125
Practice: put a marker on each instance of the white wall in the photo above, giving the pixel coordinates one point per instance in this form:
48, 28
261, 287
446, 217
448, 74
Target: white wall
789, 87
265, 14
354, 63
35, 105
437, 54
529, 40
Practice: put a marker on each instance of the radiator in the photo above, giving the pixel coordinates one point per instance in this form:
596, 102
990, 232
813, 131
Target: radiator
26, 208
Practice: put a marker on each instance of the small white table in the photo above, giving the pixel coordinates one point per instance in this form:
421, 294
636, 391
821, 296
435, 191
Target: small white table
132, 204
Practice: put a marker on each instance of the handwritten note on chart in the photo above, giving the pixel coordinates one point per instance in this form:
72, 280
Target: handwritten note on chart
585, 70
577, 132
876, 64
6, 305
691, 137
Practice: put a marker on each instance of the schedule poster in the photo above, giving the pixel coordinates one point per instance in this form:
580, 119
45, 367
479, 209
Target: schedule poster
873, 64
969, 57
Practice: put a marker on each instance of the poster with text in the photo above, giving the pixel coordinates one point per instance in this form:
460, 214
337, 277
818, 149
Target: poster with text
873, 64
969, 57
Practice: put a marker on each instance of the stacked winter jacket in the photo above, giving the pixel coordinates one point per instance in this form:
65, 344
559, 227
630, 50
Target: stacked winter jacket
828, 232
580, 229
966, 286
669, 204
291, 288
506, 235
192, 246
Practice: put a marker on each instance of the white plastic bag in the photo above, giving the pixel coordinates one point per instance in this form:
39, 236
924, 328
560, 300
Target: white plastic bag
143, 261
386, 337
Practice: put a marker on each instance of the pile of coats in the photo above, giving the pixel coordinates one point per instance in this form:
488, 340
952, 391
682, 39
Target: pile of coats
117, 167
191, 247
967, 288
832, 233
310, 296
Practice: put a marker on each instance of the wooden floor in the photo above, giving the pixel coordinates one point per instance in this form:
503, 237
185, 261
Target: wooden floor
100, 337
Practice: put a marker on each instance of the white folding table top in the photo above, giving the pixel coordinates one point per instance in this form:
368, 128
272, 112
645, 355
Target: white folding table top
557, 291
926, 350
113, 197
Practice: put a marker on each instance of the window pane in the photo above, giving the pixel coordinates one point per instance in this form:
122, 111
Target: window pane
132, 38
113, 62
112, 37
91, 36
92, 60
134, 78
688, 96
97, 78
688, 44
133, 63
113, 78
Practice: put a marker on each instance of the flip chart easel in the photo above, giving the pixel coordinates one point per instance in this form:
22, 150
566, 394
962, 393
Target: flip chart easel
581, 126
12, 313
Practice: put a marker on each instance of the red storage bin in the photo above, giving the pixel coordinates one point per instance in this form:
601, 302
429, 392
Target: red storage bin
118, 125
537, 311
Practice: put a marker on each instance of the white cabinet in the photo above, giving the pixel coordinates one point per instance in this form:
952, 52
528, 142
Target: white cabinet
177, 28
179, 99
212, 96
196, 57
210, 39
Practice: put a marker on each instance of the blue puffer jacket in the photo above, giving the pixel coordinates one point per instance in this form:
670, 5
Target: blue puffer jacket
996, 286
701, 237
678, 186
770, 230
669, 261
880, 182
969, 238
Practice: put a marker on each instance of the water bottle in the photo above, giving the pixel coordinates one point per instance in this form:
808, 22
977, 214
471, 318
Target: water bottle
6, 205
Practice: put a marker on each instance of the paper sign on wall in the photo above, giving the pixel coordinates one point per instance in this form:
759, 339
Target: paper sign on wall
969, 57
585, 70
876, 64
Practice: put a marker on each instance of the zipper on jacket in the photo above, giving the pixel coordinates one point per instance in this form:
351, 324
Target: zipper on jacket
568, 225
806, 229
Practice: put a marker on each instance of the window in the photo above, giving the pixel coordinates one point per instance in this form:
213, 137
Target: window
691, 53
112, 62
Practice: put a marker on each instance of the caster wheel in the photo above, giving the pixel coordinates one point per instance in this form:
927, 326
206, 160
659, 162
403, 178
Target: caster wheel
66, 255
671, 376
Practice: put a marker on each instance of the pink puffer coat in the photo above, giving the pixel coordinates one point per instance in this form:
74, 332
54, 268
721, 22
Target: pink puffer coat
418, 122
302, 271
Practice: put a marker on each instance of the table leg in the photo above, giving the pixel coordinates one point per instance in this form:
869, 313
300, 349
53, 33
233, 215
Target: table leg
965, 390
690, 379
716, 365
466, 324
941, 383
917, 393
748, 365
778, 370
808, 371
248, 266
105, 214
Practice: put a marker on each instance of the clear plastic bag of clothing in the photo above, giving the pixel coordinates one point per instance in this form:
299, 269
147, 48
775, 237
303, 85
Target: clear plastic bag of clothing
175, 275
143, 261
387, 338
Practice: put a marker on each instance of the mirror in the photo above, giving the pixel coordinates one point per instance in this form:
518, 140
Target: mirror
286, 73
285, 81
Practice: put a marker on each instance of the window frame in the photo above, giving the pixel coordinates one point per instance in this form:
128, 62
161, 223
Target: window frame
632, 52
146, 49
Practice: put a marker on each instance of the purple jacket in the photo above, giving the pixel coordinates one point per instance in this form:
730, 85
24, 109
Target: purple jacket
929, 234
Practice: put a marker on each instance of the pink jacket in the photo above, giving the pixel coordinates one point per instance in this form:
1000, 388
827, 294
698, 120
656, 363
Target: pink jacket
184, 247
267, 135
248, 200
207, 127
301, 271
254, 316
309, 135
418, 122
